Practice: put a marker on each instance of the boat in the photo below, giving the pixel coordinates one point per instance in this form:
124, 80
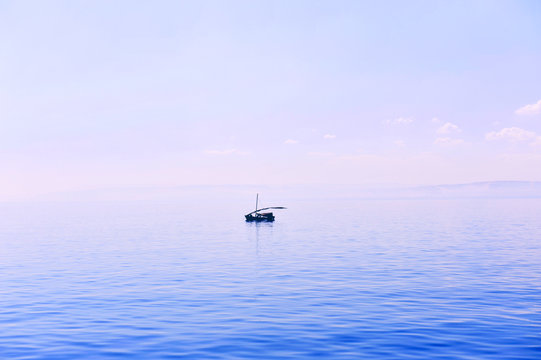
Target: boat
258, 215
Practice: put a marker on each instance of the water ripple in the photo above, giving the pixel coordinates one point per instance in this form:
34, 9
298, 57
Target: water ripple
341, 280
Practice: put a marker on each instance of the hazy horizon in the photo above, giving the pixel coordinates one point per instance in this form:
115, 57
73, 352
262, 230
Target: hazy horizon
99, 95
244, 193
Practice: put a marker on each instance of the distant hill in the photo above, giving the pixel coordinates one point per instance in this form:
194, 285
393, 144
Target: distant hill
486, 189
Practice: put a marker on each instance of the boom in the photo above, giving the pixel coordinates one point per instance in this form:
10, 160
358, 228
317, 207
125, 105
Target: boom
267, 208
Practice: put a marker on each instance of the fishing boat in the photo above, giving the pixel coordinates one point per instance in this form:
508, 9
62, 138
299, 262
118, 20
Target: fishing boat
258, 215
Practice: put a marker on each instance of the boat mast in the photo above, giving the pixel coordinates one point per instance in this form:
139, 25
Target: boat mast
256, 200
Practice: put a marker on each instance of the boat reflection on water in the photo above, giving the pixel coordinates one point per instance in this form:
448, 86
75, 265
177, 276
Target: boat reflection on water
259, 216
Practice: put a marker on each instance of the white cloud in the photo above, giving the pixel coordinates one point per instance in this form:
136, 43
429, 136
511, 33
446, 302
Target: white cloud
435, 120
399, 143
346, 156
400, 121
225, 152
513, 134
360, 157
323, 154
448, 128
291, 142
537, 141
329, 136
447, 141
530, 109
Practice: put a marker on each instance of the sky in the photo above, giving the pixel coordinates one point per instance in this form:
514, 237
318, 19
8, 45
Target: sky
101, 94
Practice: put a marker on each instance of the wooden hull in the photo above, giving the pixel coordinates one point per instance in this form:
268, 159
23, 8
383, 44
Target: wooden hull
259, 217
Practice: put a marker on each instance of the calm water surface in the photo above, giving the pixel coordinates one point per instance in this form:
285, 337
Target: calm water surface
344, 279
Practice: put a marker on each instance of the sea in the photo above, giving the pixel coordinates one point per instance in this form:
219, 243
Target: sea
331, 278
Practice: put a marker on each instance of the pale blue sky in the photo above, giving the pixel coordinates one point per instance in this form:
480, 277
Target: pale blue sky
160, 93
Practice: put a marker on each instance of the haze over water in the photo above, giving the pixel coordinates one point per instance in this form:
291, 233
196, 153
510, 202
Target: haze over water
340, 279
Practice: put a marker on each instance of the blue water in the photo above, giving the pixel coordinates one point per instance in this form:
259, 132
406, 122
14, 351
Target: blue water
337, 279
